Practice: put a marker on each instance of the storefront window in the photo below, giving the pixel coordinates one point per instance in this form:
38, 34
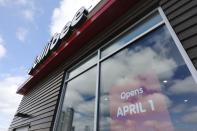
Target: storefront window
138, 29
83, 66
77, 113
147, 87
140, 81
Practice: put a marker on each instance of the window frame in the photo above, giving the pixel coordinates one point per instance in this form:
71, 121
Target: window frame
174, 36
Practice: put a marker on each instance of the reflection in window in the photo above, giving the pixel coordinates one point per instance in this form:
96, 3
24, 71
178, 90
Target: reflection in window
85, 65
140, 28
78, 108
148, 87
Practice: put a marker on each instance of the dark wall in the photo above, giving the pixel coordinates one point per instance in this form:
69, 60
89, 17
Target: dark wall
42, 101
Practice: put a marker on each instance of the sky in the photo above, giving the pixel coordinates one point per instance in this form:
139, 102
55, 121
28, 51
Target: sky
25, 28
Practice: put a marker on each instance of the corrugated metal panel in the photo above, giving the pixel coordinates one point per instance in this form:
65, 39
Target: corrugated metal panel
41, 103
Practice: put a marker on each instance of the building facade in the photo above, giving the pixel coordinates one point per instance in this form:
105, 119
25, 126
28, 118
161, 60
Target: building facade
129, 65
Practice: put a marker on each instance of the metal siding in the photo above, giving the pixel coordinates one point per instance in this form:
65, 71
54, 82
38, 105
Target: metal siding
41, 103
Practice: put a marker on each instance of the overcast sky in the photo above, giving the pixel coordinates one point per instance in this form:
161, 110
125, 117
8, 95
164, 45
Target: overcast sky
25, 28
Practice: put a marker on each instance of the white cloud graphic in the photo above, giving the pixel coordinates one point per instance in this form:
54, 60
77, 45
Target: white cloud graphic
131, 63
186, 85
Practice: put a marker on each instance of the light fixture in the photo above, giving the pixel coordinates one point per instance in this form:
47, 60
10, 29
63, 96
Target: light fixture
165, 81
106, 99
185, 100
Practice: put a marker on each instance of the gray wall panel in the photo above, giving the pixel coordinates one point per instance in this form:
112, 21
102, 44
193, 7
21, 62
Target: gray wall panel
41, 103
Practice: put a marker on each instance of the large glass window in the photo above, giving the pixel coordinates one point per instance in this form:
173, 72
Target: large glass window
136, 30
83, 66
77, 113
148, 87
139, 81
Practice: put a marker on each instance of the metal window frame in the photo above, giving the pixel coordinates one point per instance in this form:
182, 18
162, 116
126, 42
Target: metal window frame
164, 22
128, 29
81, 62
133, 40
97, 95
60, 104
182, 51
